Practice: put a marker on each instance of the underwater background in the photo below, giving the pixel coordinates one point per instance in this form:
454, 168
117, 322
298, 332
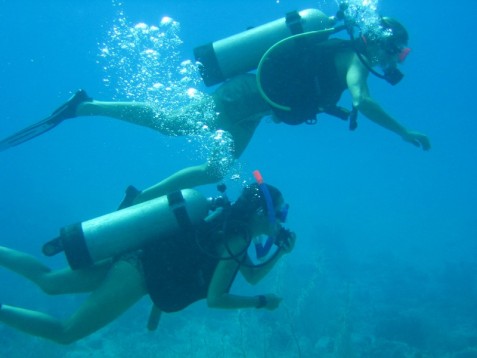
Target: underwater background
385, 263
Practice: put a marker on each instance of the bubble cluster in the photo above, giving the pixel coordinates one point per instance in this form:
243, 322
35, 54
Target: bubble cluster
142, 63
364, 13
216, 143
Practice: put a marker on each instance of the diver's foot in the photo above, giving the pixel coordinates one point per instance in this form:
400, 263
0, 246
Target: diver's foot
130, 196
68, 109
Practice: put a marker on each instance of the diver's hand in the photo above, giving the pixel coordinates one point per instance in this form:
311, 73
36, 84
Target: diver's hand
273, 301
288, 244
417, 139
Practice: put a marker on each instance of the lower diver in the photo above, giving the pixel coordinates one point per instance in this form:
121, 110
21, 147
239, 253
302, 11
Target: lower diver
175, 271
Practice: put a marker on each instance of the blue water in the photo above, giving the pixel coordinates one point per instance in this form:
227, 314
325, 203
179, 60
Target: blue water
385, 260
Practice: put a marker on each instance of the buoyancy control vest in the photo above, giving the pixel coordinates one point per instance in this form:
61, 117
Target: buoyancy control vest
299, 79
177, 271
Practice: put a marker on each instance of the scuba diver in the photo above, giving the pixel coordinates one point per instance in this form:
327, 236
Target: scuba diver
300, 73
175, 270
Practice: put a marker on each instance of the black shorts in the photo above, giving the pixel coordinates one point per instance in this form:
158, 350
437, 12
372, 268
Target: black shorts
238, 99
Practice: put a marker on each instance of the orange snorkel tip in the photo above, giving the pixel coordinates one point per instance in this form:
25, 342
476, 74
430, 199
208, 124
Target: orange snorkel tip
258, 177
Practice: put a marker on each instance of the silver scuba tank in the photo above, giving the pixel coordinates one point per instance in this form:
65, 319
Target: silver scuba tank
242, 52
128, 229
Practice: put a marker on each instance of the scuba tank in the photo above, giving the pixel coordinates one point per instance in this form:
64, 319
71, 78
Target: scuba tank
242, 52
128, 229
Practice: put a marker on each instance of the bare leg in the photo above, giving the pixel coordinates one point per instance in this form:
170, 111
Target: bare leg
227, 148
177, 123
53, 282
221, 158
186, 178
123, 286
228, 144
133, 112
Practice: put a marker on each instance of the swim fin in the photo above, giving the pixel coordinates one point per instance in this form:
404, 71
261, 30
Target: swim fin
65, 111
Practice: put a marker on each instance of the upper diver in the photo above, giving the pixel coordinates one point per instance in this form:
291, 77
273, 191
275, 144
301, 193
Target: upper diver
312, 83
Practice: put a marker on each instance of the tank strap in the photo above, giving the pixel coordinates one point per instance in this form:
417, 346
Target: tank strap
73, 242
294, 23
177, 205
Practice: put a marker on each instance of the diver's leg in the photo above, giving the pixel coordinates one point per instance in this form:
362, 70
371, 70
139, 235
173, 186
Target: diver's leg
181, 122
219, 162
227, 145
123, 287
185, 178
53, 282
133, 112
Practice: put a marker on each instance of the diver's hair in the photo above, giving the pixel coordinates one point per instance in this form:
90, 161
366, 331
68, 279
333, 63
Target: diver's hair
251, 200
399, 34
393, 34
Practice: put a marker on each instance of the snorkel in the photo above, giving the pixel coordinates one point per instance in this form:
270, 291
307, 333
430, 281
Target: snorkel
391, 74
260, 249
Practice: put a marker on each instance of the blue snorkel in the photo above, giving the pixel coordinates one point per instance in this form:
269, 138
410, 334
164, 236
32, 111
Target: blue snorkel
260, 249
242, 218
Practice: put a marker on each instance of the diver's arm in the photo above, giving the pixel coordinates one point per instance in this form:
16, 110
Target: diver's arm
253, 275
356, 78
218, 296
